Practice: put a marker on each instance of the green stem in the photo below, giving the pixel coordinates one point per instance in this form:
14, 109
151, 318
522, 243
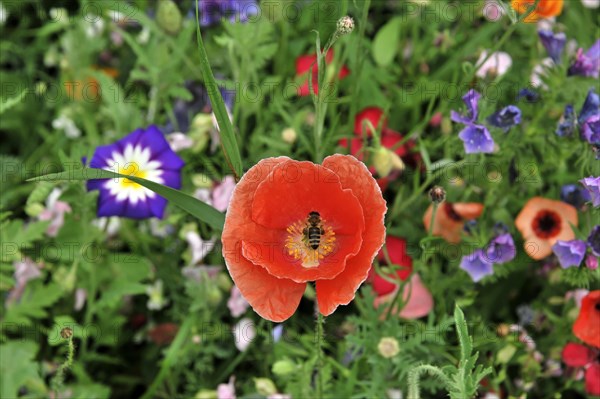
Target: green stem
170, 359
413, 379
59, 377
435, 208
319, 365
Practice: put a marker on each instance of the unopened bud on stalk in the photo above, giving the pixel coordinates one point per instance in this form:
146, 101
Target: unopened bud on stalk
168, 16
66, 333
384, 161
345, 25
437, 195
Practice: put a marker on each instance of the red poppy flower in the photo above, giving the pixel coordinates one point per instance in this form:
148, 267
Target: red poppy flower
587, 325
418, 301
291, 222
450, 219
576, 355
396, 249
542, 222
390, 139
303, 65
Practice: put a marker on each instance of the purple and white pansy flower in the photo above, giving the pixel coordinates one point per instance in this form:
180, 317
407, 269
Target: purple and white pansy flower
144, 153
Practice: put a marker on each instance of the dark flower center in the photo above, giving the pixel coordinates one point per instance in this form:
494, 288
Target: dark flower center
546, 224
597, 306
451, 213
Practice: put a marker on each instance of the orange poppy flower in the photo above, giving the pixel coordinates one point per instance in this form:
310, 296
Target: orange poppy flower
89, 88
544, 9
587, 325
291, 222
418, 301
542, 222
450, 219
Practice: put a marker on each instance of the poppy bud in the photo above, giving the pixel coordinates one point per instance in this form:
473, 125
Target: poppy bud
34, 209
168, 16
66, 333
437, 195
345, 25
384, 161
284, 367
265, 386
388, 347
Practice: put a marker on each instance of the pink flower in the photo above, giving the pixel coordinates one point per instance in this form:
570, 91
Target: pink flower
179, 141
25, 271
221, 194
236, 303
80, 297
497, 65
55, 212
198, 247
417, 297
227, 391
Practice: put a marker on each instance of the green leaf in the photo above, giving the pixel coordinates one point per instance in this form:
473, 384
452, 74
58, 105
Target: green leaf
466, 347
17, 367
228, 140
385, 44
7, 104
193, 206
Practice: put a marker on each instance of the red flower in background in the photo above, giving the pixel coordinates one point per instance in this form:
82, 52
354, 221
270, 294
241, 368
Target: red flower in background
269, 250
587, 325
164, 333
303, 65
576, 355
390, 139
417, 299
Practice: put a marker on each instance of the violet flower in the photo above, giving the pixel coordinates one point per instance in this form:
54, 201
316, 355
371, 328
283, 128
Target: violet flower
212, 11
592, 184
575, 195
554, 43
476, 138
594, 240
477, 265
145, 154
506, 118
569, 253
501, 249
566, 124
236, 303
587, 64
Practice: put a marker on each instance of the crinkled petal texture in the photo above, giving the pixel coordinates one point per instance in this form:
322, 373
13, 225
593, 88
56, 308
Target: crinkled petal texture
587, 325
271, 203
355, 176
577, 355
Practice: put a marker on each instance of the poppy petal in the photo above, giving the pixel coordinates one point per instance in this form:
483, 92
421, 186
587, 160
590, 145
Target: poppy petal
272, 298
592, 379
576, 355
587, 325
355, 176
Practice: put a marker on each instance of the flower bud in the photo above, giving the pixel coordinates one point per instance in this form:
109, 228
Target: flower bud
265, 386
168, 17
289, 135
206, 394
34, 209
284, 367
66, 333
200, 180
345, 25
388, 347
214, 295
437, 195
384, 161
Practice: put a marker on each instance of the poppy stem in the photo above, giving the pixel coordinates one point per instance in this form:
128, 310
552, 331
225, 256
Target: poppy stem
319, 364
432, 221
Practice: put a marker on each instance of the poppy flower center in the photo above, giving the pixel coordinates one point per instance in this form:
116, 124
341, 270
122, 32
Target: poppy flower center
451, 213
546, 224
597, 306
309, 240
